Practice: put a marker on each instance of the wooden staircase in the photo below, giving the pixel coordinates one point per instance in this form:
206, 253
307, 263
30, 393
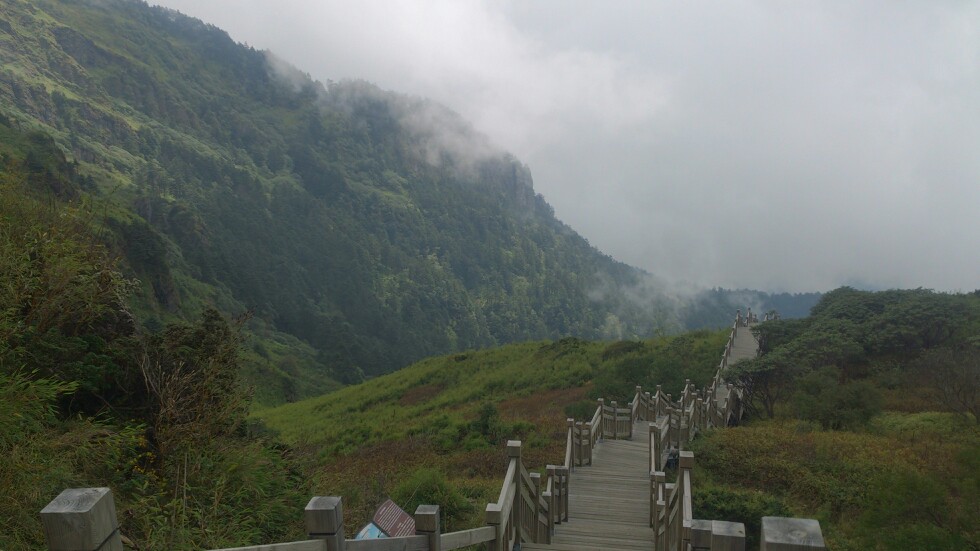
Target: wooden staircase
609, 501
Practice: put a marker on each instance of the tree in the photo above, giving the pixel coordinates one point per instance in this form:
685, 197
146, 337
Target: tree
192, 375
767, 379
819, 397
954, 374
764, 381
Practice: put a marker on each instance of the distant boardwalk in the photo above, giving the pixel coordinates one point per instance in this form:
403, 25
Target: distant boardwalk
745, 346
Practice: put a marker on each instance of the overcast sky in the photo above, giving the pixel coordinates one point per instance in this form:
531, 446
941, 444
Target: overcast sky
770, 145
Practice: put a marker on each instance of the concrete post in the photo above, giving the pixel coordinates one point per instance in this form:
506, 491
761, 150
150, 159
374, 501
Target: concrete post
701, 535
495, 518
727, 536
427, 524
791, 534
82, 519
325, 521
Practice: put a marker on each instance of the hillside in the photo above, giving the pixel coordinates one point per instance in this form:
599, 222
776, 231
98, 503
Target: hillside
865, 417
861, 435
363, 229
89, 398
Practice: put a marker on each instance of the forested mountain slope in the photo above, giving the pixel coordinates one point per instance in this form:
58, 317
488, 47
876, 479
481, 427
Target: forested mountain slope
375, 228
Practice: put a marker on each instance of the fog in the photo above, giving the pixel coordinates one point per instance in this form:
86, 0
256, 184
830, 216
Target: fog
777, 146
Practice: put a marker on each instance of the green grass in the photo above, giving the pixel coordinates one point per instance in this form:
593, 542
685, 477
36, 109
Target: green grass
443, 393
855, 482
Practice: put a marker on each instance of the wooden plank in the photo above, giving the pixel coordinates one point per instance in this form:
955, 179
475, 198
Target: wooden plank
410, 543
306, 545
455, 540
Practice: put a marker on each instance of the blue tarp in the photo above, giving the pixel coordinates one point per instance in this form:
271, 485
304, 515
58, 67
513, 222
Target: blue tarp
370, 532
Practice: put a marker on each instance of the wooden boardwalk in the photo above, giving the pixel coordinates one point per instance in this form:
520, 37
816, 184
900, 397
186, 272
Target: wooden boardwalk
609, 502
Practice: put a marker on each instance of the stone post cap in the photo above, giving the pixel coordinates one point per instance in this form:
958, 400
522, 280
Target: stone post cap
79, 518
324, 515
427, 518
493, 514
686, 460
791, 534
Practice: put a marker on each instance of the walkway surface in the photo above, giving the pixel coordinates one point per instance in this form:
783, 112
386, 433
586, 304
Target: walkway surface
608, 502
745, 346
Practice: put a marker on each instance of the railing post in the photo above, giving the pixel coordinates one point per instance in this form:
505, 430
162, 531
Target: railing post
556, 498
549, 519
648, 414
685, 466
576, 453
638, 397
565, 479
427, 524
517, 509
657, 451
699, 414
325, 521
82, 519
581, 438
659, 478
791, 534
602, 418
536, 507
588, 440
495, 519
729, 402
615, 420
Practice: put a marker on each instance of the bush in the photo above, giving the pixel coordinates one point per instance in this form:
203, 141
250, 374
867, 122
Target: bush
747, 507
909, 510
581, 410
429, 487
819, 398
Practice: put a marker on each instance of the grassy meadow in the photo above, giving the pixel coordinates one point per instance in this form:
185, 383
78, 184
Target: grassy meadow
439, 426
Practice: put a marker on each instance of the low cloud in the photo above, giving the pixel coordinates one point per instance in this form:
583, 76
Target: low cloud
744, 144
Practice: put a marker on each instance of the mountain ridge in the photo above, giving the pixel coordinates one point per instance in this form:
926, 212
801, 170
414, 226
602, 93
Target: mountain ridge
376, 227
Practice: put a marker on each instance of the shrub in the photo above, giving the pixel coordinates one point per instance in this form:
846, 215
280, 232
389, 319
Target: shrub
747, 507
581, 410
819, 398
429, 487
909, 510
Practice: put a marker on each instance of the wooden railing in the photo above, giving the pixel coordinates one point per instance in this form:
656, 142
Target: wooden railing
674, 426
528, 506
